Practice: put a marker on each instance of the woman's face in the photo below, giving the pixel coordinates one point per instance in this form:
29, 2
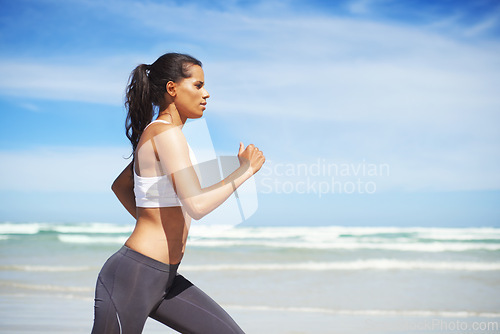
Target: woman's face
191, 95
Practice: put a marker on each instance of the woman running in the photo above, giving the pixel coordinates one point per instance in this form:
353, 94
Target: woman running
160, 188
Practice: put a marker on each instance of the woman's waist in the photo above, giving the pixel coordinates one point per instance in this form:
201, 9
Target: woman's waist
160, 231
158, 248
162, 239
161, 215
147, 260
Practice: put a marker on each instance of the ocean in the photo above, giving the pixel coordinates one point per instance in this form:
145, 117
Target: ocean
323, 279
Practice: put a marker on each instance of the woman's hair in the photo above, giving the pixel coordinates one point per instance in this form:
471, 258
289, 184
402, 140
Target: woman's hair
147, 87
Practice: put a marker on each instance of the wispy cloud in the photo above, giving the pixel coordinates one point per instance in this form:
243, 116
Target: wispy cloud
92, 82
360, 6
333, 61
66, 169
413, 96
490, 22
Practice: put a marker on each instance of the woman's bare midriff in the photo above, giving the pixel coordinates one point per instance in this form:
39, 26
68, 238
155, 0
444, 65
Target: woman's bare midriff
160, 233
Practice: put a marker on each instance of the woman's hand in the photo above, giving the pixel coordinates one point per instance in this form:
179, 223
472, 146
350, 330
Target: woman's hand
251, 157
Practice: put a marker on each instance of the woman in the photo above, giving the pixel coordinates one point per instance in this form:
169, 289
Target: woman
160, 188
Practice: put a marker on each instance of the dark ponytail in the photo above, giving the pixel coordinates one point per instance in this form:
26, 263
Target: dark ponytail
147, 87
138, 103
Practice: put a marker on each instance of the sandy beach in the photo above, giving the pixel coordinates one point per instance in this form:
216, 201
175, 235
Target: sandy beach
283, 280
59, 314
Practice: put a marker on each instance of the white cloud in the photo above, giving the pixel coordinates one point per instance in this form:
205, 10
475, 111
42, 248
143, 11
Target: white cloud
92, 82
431, 101
360, 6
484, 25
287, 64
69, 169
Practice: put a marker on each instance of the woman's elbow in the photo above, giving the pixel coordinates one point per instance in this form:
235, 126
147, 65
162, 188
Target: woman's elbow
115, 186
196, 215
120, 189
194, 210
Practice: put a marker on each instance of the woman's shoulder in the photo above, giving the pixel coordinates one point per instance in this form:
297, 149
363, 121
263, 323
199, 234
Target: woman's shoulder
165, 133
157, 127
159, 123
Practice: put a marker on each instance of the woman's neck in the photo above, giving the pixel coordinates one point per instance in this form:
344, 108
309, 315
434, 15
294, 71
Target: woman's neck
171, 114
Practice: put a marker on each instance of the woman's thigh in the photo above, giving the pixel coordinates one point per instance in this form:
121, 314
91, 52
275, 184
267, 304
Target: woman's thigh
129, 286
189, 310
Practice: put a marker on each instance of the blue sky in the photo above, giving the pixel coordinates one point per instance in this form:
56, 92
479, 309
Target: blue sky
412, 85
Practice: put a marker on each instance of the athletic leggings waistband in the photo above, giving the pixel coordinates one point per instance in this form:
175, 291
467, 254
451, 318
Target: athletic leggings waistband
129, 252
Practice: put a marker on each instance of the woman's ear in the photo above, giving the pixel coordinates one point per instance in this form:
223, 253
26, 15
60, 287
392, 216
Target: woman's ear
170, 87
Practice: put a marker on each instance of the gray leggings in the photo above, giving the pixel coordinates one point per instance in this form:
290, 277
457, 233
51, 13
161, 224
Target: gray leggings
132, 287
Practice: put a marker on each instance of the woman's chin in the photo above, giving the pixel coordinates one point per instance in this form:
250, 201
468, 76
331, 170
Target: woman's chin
193, 115
198, 115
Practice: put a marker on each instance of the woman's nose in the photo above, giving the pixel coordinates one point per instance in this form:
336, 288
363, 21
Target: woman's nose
206, 95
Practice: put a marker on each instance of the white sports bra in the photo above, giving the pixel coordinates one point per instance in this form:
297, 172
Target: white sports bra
157, 191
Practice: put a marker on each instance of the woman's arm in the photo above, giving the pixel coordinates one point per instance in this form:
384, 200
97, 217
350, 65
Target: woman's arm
123, 187
174, 157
